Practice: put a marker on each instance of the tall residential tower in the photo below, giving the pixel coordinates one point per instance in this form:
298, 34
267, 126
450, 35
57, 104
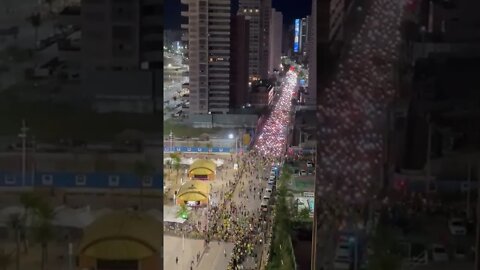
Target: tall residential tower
208, 36
258, 13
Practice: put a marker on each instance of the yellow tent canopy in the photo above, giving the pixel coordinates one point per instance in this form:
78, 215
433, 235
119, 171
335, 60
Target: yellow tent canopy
122, 236
202, 167
194, 191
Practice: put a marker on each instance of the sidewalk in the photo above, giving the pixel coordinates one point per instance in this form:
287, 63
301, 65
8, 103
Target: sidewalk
186, 251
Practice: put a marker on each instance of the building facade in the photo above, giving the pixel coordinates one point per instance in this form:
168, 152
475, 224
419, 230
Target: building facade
258, 13
239, 62
117, 39
208, 39
276, 31
312, 58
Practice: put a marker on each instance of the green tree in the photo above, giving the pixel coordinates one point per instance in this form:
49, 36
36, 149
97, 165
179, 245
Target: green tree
304, 214
43, 229
281, 249
143, 169
209, 145
15, 223
176, 161
35, 19
29, 201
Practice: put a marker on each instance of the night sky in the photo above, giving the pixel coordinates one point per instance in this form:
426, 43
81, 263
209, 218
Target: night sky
290, 10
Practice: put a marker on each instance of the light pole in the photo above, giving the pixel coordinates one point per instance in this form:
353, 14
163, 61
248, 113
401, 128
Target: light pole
23, 136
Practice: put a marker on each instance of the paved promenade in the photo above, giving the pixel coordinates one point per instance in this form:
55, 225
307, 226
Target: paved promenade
186, 251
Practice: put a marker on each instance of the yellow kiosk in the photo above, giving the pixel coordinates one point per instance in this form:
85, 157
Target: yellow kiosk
202, 169
194, 193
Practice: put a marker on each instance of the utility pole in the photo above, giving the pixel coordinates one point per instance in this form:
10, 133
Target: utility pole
23, 136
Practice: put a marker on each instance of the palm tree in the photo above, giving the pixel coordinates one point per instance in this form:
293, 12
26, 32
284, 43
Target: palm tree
304, 214
176, 159
142, 169
15, 223
35, 19
29, 202
177, 166
43, 229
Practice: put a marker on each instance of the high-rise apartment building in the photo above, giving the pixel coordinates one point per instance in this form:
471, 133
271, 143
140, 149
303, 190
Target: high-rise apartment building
311, 98
330, 21
276, 31
239, 62
208, 40
304, 35
258, 13
117, 52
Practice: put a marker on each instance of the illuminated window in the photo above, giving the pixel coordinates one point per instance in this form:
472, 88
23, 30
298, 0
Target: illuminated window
251, 10
256, 10
245, 10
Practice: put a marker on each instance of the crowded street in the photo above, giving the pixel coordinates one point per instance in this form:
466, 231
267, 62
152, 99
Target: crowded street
233, 214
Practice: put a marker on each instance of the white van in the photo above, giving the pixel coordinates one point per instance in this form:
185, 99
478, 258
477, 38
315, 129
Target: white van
264, 206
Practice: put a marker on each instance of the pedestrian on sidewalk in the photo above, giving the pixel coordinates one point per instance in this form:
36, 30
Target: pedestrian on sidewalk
176, 260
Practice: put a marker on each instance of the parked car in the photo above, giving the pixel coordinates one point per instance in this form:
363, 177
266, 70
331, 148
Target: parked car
303, 172
439, 253
264, 205
457, 226
309, 164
